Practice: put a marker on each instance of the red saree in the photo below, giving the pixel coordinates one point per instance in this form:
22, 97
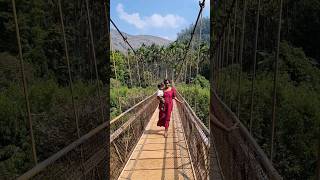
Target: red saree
164, 116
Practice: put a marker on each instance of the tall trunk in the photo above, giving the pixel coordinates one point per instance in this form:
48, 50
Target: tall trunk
190, 73
129, 70
143, 75
138, 72
166, 73
185, 71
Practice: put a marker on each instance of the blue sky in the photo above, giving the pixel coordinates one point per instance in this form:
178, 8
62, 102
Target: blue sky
163, 18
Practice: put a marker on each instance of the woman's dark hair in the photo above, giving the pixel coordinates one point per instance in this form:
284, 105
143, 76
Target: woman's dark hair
166, 80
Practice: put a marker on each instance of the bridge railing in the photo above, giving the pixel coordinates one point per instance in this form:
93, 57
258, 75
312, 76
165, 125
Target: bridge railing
239, 154
197, 137
85, 158
126, 130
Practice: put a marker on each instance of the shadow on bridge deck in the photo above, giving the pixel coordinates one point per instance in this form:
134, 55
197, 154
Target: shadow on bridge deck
156, 157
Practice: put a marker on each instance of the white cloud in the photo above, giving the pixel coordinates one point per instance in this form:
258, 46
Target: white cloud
155, 20
130, 18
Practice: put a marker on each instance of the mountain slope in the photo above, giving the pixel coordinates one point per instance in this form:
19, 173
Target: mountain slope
135, 41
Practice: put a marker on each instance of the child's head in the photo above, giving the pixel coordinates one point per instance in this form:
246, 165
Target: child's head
160, 86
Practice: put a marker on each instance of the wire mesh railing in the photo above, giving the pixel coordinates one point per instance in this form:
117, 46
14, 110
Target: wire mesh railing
240, 156
85, 158
197, 137
126, 130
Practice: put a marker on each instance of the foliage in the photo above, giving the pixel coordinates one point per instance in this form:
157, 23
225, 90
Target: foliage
197, 95
122, 97
47, 79
184, 35
297, 110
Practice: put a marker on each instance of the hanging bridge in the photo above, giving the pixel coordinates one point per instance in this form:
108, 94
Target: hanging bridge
136, 148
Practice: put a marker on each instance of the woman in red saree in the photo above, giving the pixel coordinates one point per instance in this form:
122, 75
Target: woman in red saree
169, 93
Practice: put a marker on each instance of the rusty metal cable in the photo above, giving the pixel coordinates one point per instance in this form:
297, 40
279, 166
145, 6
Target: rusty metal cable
24, 82
69, 69
95, 61
254, 64
233, 50
241, 55
227, 62
192, 34
125, 39
275, 82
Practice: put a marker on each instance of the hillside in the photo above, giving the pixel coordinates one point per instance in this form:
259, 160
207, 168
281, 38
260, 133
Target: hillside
184, 35
135, 40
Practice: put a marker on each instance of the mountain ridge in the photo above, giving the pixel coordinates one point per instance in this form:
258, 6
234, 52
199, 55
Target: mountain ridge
136, 41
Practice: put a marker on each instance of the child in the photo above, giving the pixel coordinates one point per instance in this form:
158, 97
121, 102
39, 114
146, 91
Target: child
160, 96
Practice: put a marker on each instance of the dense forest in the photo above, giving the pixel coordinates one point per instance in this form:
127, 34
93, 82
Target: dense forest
297, 132
52, 104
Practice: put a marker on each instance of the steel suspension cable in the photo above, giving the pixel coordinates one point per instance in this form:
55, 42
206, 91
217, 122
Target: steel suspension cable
275, 82
254, 65
227, 61
70, 79
224, 23
192, 34
125, 39
200, 33
233, 51
223, 55
217, 47
222, 64
24, 82
69, 69
241, 54
95, 60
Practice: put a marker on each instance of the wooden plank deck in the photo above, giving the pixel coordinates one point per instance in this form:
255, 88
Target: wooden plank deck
156, 157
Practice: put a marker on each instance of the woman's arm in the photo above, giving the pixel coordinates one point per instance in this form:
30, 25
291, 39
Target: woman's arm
175, 98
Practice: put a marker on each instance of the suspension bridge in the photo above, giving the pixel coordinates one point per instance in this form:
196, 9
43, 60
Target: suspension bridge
136, 148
